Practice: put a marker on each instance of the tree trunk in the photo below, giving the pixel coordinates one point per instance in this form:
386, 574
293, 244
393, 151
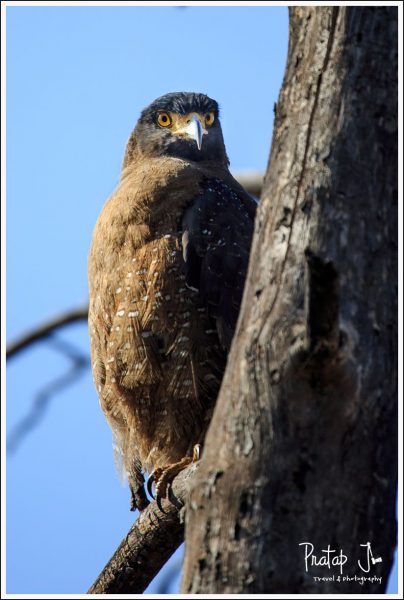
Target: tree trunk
302, 446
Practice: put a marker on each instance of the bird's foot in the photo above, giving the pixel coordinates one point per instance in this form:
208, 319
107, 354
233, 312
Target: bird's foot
163, 476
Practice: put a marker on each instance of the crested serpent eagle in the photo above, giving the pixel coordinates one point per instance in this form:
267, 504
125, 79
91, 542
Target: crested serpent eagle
167, 267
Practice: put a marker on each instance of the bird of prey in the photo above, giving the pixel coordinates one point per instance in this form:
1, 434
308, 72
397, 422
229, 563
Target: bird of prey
167, 267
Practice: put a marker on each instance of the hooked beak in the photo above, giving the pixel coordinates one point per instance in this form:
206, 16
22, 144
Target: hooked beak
194, 130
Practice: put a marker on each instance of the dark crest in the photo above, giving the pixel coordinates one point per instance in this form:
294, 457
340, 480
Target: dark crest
181, 103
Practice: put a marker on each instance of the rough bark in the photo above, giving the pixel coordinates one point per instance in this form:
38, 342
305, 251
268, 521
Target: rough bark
303, 442
155, 535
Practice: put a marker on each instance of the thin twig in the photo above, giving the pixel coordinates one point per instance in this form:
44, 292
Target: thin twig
46, 329
44, 396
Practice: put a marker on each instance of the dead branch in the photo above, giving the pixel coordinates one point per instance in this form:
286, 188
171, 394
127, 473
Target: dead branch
150, 542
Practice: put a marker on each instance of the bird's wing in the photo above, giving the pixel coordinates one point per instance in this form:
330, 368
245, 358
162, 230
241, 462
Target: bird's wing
217, 233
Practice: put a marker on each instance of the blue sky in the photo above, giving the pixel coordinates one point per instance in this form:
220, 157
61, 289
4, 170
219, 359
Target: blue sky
77, 79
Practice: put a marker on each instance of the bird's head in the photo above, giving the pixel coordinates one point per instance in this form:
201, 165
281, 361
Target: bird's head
182, 125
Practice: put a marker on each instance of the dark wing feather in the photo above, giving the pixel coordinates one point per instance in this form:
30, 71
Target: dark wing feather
217, 233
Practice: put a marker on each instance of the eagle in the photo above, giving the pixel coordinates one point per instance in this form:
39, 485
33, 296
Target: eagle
167, 267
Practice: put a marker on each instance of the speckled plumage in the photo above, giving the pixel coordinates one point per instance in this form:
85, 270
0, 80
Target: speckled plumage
166, 273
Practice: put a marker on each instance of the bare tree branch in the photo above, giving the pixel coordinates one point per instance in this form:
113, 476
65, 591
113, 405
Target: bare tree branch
150, 542
46, 329
79, 363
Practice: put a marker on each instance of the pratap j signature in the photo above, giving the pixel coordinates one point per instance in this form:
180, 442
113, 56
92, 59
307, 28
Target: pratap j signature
330, 558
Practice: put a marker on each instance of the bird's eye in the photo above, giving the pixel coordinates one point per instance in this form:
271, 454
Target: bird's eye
164, 119
209, 118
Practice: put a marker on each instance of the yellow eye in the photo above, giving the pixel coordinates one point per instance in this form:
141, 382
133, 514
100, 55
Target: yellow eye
209, 118
164, 119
